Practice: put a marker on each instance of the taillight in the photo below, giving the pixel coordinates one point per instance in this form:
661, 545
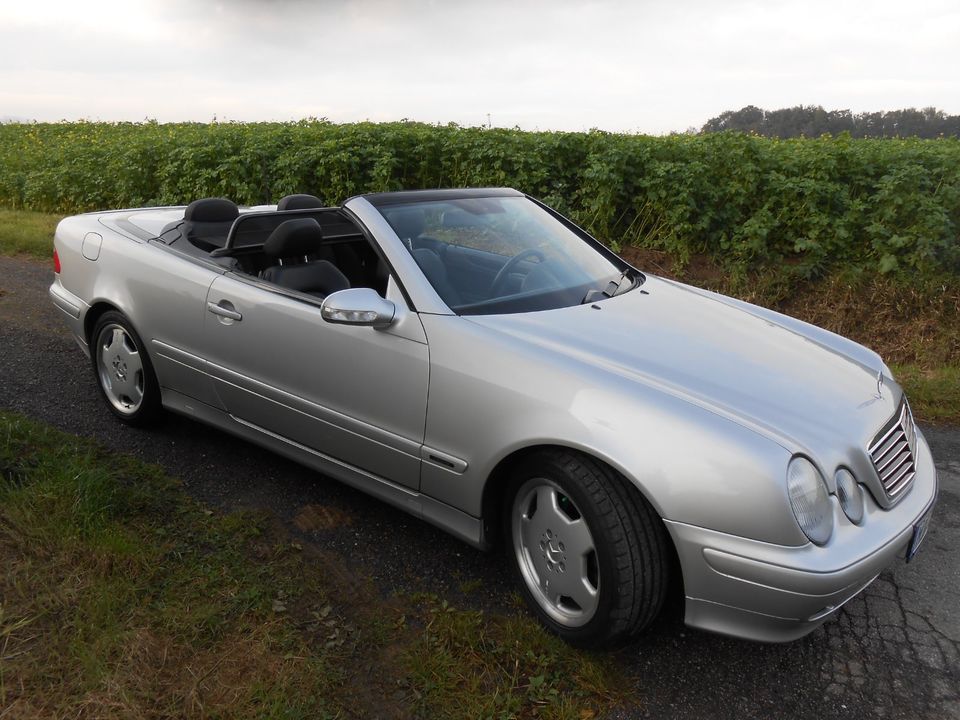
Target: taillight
56, 262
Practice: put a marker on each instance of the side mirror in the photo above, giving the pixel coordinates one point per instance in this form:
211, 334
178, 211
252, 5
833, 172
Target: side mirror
358, 306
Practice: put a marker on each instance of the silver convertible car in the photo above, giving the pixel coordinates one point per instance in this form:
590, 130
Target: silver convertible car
476, 359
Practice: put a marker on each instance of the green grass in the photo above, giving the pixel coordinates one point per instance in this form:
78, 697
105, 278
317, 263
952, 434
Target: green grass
122, 596
23, 232
934, 394
466, 665
120, 592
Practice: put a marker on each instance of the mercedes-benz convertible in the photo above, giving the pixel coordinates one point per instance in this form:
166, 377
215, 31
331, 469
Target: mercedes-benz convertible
476, 359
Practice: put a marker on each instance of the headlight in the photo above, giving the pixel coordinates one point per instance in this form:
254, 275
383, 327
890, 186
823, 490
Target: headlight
850, 495
810, 500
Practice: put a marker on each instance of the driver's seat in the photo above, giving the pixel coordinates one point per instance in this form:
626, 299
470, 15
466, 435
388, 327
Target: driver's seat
436, 273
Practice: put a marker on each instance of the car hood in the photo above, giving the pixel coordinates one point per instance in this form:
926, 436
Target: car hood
797, 388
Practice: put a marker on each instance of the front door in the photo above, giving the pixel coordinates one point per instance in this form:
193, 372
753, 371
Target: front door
352, 393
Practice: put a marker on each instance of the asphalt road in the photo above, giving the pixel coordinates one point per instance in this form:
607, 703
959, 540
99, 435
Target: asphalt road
892, 652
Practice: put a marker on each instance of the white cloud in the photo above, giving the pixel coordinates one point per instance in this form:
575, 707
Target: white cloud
617, 65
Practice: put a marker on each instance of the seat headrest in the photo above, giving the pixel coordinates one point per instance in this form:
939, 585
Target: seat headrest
407, 223
299, 202
211, 210
292, 238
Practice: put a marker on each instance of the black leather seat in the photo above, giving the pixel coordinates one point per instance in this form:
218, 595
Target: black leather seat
289, 244
206, 223
299, 202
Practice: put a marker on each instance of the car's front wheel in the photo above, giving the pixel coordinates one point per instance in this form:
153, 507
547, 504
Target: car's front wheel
589, 551
123, 370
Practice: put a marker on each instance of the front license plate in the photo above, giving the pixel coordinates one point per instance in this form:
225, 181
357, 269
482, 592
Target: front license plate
919, 533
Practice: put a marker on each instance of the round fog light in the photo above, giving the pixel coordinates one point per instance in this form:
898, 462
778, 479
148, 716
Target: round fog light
850, 495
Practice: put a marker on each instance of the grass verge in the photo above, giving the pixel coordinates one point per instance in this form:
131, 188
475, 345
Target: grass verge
934, 394
463, 660
121, 596
23, 232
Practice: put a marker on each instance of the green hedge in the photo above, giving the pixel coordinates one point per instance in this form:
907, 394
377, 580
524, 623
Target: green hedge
889, 206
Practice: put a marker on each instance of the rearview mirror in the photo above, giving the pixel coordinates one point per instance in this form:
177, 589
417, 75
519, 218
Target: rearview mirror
358, 306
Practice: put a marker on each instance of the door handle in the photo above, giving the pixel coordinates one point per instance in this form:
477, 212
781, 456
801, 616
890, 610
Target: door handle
224, 309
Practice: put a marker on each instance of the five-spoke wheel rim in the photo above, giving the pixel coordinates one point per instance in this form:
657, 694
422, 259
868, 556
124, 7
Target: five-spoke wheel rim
120, 368
556, 552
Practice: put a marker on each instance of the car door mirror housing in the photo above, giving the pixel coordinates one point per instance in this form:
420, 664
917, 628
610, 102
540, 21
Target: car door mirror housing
358, 306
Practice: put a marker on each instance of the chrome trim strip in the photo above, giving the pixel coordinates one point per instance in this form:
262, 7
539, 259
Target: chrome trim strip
443, 460
893, 454
347, 423
458, 523
195, 362
328, 458
906, 470
904, 484
900, 447
898, 425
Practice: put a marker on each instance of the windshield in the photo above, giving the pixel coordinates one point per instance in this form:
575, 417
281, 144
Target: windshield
503, 255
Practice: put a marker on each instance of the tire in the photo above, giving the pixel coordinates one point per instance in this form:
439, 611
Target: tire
122, 368
590, 553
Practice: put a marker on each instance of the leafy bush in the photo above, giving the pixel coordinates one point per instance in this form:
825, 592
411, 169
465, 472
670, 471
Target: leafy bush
812, 205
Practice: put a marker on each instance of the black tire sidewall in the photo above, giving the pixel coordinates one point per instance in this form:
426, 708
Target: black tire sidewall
150, 405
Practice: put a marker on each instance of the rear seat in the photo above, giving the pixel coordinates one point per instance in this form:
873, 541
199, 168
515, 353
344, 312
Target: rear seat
206, 223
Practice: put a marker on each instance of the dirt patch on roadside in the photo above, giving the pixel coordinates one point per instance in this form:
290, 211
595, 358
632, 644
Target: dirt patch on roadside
316, 518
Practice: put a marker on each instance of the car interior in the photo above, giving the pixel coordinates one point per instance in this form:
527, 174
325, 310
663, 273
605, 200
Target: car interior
301, 246
308, 248
464, 275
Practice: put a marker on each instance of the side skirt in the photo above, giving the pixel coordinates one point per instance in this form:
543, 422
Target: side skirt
456, 522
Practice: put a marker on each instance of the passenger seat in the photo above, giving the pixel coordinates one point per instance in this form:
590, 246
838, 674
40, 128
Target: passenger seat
288, 245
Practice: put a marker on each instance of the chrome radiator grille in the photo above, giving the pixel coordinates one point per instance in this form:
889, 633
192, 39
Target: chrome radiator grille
893, 452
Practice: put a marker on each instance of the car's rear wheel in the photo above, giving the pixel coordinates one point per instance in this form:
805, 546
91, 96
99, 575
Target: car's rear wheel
589, 551
124, 373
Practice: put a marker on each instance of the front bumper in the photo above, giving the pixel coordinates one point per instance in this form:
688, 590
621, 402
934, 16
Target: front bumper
774, 593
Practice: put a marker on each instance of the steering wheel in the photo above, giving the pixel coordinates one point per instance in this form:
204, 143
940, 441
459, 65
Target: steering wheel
504, 272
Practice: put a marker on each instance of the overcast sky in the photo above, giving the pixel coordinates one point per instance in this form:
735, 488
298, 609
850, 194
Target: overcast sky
643, 66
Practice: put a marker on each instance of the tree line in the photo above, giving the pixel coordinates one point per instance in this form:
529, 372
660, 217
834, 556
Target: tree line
814, 121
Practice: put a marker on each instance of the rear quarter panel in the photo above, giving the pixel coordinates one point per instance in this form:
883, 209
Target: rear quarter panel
161, 292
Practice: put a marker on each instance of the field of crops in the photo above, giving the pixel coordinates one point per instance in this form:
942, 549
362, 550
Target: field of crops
810, 207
